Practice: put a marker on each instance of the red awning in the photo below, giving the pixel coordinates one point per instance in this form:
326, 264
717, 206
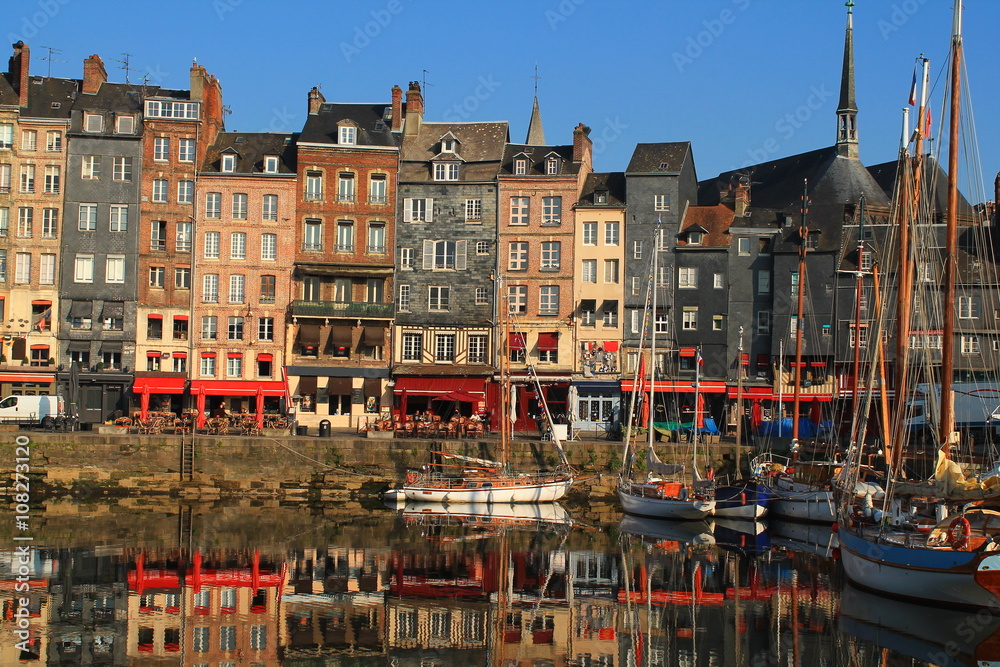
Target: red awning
155, 316
234, 355
610, 346
158, 385
180, 355
27, 377
238, 387
265, 357
181, 317
153, 354
715, 387
548, 342
516, 341
687, 351
207, 354
437, 386
39, 347
817, 364
41, 302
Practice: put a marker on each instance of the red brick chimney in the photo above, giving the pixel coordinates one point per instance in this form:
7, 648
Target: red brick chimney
414, 109
94, 74
206, 89
583, 147
397, 109
315, 100
18, 68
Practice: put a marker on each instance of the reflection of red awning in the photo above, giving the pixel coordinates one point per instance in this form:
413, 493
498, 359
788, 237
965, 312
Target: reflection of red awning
437, 386
716, 387
548, 342
516, 341
238, 387
687, 352
158, 385
610, 346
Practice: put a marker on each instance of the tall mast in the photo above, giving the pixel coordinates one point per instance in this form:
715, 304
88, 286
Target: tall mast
951, 241
859, 291
803, 249
652, 339
739, 401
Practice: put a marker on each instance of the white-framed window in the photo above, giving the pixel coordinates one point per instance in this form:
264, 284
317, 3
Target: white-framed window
439, 298
552, 166
551, 210
968, 307
588, 271
794, 288
25, 222
743, 245
477, 349
866, 260
970, 344
235, 328
114, 269
234, 369
185, 192
403, 302
6, 135
520, 167
551, 251
237, 288
157, 234
716, 322
161, 149
345, 186
860, 336
661, 323
27, 178
590, 233
662, 240
687, 277
418, 209
763, 321
548, 300
661, 202
5, 176
345, 236
185, 150
695, 238
4, 221
473, 210
611, 272
377, 189
118, 219
212, 242
122, 169
239, 206
518, 256
517, 299
268, 247
689, 318
719, 280
610, 314
238, 245
611, 233
90, 167
228, 163
314, 186
348, 135
444, 347
635, 322
406, 258
161, 109
270, 164
93, 122
663, 276
29, 140
53, 141
265, 328
201, 638
445, 171
83, 268
213, 205
269, 207
157, 276
444, 255
47, 269
312, 238
636, 249
22, 268
182, 278
413, 346
519, 207
125, 124
160, 190
184, 237
587, 316
3, 265
209, 327
50, 223
87, 218
482, 296
376, 238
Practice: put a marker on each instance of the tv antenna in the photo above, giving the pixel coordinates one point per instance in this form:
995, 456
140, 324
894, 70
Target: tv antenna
423, 86
51, 60
125, 65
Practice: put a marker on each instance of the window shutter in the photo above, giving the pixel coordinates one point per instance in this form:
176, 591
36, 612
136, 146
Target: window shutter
430, 209
428, 255
461, 248
407, 209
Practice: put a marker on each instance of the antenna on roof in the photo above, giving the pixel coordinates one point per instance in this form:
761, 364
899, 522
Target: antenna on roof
51, 60
536, 78
423, 86
125, 65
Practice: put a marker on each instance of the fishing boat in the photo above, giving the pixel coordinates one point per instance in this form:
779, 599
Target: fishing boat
664, 492
934, 541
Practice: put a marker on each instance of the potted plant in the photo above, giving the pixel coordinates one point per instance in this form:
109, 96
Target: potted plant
24, 362
52, 361
100, 366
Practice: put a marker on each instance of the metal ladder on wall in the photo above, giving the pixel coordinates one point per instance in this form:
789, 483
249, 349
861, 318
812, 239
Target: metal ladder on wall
187, 457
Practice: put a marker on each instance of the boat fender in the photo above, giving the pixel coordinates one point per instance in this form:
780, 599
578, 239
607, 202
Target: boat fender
411, 477
743, 499
959, 533
835, 528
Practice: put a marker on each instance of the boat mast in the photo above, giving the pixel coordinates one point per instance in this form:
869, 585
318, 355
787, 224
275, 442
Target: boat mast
697, 413
507, 416
951, 239
652, 341
858, 293
739, 401
803, 249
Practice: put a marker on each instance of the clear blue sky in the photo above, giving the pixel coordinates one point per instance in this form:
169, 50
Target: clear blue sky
723, 74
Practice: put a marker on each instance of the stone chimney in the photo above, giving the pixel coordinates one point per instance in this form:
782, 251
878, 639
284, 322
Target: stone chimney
741, 197
316, 100
414, 109
18, 68
397, 109
94, 74
583, 147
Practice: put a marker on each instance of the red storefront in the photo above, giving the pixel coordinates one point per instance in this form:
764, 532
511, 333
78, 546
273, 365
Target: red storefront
439, 393
258, 388
165, 384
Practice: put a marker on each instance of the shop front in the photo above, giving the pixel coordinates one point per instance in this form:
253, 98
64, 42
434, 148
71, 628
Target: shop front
158, 392
444, 396
227, 397
27, 383
526, 401
596, 406
343, 395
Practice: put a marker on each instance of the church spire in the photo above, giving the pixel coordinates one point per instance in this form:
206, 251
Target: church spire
847, 111
536, 135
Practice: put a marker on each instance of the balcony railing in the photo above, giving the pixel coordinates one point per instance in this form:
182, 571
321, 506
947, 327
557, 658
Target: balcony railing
341, 309
345, 197
377, 199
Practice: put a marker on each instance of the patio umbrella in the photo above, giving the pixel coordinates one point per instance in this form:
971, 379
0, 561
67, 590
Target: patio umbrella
699, 420
260, 406
74, 388
756, 418
815, 413
402, 404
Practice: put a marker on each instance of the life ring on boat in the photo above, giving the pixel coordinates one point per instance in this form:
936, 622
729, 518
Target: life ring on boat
411, 477
959, 533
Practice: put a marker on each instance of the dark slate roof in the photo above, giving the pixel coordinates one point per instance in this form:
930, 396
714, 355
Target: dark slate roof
7, 95
614, 181
662, 158
885, 175
251, 148
712, 221
536, 159
321, 128
114, 97
482, 148
45, 91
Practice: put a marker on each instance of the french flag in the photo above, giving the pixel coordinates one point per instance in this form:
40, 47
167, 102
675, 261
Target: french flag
913, 89
698, 359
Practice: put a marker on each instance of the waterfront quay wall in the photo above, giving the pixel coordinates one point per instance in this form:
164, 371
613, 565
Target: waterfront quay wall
90, 466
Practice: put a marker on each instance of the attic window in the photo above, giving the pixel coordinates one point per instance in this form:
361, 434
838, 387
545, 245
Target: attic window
552, 166
446, 171
229, 163
379, 125
348, 135
601, 197
270, 164
239, 140
694, 238
125, 125
448, 146
663, 166
520, 167
56, 105
812, 240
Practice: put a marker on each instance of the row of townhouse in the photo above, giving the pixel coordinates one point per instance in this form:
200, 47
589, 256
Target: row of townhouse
374, 262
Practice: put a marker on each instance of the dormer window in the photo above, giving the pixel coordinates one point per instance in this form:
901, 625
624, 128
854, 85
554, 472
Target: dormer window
601, 196
552, 166
446, 171
229, 163
694, 238
448, 146
348, 135
271, 164
520, 167
125, 125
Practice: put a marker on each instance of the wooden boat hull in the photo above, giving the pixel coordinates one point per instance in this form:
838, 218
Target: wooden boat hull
818, 506
664, 508
662, 530
503, 491
743, 500
928, 575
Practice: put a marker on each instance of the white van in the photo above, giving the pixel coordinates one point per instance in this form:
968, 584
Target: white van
31, 409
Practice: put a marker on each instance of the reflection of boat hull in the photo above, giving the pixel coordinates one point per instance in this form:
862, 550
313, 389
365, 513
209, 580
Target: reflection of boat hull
743, 500
804, 505
662, 508
747, 537
500, 490
939, 636
805, 537
936, 575
689, 532
489, 514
